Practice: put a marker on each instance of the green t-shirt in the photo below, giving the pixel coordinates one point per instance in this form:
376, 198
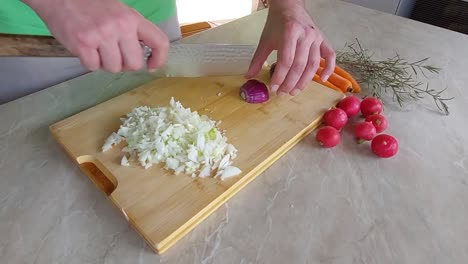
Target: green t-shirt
18, 18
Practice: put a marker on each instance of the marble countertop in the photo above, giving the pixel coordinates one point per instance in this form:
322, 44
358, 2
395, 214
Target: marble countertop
312, 206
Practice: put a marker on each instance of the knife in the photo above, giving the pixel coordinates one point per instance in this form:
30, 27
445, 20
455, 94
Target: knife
187, 60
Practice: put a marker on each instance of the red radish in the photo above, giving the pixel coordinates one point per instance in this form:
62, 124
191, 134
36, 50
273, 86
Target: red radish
351, 105
379, 121
364, 131
384, 146
328, 136
336, 118
370, 106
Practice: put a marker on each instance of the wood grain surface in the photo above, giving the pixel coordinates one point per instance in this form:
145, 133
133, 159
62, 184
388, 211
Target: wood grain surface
163, 207
31, 46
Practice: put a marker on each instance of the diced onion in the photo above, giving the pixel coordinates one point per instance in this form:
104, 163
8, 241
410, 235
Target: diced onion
124, 161
229, 172
180, 139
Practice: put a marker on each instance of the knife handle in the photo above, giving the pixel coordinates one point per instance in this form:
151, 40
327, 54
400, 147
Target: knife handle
31, 46
40, 46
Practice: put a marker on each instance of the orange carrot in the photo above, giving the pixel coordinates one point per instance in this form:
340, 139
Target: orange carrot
356, 88
338, 81
322, 62
344, 74
327, 84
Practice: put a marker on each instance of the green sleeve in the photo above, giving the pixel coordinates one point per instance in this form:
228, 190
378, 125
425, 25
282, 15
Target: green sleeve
17, 18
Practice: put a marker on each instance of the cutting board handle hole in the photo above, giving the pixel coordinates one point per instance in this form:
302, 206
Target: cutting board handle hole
105, 183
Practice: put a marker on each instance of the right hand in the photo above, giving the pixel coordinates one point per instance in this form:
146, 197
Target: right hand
290, 30
104, 34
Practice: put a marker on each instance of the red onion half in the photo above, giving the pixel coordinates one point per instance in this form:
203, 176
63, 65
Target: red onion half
254, 92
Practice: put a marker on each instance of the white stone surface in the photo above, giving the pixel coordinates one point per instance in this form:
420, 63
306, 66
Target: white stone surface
312, 206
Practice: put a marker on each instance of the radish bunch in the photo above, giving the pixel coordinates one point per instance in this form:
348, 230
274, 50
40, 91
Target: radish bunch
335, 119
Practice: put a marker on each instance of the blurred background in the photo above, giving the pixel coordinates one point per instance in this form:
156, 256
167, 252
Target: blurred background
449, 14
214, 11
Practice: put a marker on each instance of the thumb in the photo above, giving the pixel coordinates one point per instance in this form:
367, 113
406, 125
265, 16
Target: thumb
260, 56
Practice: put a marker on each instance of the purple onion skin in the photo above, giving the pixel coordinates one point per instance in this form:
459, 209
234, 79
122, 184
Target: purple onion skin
254, 92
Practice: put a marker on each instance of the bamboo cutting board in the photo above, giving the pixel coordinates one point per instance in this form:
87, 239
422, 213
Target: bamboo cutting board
163, 207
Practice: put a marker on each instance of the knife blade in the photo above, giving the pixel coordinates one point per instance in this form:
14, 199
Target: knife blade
184, 59
193, 60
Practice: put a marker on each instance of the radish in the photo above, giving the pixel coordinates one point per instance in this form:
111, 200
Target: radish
384, 146
379, 121
328, 136
351, 105
364, 131
370, 106
336, 118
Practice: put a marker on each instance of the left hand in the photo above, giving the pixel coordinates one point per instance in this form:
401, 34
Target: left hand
300, 44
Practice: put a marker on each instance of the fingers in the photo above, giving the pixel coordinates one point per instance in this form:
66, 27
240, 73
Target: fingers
293, 74
85, 47
261, 54
297, 69
125, 53
285, 61
312, 65
329, 56
132, 53
111, 59
154, 38
90, 59
106, 35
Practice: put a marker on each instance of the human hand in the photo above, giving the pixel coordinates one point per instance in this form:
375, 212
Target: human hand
104, 34
300, 44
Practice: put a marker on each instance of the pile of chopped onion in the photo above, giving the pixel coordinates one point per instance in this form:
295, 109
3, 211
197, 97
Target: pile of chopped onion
182, 140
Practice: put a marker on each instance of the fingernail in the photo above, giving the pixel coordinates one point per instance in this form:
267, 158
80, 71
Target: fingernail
295, 92
281, 94
274, 88
325, 78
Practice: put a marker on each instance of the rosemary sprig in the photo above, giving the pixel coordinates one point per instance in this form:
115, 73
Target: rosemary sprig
394, 76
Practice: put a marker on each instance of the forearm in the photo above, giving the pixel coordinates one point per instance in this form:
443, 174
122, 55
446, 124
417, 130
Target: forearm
35, 4
281, 4
41, 6
29, 2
